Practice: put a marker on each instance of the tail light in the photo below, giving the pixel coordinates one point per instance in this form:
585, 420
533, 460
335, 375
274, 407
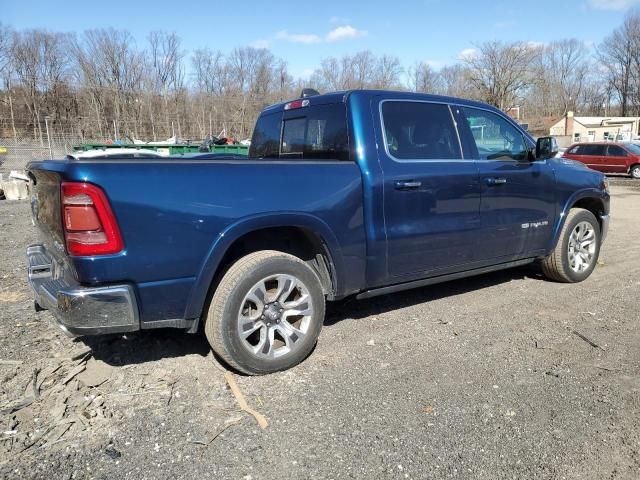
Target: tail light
90, 228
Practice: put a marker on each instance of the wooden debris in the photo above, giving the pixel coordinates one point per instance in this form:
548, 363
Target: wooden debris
34, 384
590, 342
19, 405
11, 362
242, 402
72, 374
218, 433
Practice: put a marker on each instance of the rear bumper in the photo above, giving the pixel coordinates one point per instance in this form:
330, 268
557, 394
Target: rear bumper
80, 310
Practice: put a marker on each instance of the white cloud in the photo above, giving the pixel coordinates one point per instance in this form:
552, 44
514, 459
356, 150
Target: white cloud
612, 4
467, 54
344, 32
260, 44
298, 37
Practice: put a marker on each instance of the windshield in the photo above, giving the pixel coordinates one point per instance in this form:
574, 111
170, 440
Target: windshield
633, 148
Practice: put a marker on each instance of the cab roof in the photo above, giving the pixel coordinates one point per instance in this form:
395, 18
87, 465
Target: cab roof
342, 95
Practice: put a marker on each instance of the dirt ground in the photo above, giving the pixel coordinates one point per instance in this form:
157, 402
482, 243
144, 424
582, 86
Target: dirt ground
501, 376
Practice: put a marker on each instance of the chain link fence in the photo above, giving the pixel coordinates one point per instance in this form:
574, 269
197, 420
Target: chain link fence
22, 150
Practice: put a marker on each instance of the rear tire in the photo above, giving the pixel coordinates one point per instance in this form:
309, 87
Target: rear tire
635, 172
576, 253
266, 313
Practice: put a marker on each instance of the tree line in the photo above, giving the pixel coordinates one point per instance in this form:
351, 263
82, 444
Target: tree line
101, 84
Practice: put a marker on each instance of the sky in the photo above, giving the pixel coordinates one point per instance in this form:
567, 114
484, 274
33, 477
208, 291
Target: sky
438, 32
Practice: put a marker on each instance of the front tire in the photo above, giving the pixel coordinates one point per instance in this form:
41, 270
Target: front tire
266, 313
576, 253
635, 172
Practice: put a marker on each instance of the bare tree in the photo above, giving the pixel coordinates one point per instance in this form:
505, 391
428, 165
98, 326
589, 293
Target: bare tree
386, 72
112, 69
619, 54
423, 78
40, 62
565, 68
501, 72
456, 82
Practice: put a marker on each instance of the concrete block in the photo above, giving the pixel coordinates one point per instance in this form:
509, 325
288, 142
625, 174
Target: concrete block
15, 190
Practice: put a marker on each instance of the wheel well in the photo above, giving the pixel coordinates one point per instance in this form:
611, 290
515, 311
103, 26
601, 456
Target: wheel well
594, 205
301, 242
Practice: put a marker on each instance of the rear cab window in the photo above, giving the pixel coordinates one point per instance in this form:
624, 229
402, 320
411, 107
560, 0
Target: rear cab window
313, 132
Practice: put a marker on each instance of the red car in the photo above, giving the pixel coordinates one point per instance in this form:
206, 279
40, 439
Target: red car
607, 157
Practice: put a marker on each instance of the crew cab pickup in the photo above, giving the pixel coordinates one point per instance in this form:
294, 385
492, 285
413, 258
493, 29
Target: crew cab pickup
350, 193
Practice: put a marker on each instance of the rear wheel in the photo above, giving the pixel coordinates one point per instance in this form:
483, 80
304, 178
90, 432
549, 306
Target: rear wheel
576, 253
266, 313
635, 171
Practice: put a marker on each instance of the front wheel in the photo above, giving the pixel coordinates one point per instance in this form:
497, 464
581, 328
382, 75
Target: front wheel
635, 172
576, 253
266, 313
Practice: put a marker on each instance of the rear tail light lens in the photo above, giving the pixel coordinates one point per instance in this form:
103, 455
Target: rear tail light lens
90, 227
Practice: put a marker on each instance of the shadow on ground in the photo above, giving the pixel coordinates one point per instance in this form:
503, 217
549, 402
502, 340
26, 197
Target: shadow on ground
351, 308
152, 345
146, 346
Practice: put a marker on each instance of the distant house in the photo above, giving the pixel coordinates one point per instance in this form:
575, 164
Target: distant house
596, 129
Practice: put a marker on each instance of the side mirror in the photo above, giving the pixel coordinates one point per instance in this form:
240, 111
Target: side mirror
546, 147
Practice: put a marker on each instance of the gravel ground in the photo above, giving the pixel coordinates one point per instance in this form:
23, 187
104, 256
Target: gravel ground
480, 378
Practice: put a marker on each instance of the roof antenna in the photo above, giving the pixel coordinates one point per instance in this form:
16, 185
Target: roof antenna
308, 92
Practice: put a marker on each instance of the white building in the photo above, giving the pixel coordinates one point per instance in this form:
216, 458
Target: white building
596, 129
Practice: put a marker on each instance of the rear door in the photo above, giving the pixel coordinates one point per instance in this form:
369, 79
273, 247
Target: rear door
615, 160
592, 155
518, 194
431, 190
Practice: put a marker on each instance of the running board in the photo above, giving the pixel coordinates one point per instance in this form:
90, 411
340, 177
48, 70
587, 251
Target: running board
441, 278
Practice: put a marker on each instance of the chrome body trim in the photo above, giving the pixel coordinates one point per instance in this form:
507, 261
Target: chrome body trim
604, 219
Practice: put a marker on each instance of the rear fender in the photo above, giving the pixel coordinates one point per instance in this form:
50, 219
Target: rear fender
247, 225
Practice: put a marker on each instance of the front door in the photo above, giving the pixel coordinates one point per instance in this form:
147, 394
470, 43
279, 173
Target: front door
616, 159
431, 192
517, 205
593, 156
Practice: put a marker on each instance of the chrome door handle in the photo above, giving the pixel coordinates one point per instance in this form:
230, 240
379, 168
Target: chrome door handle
407, 184
495, 181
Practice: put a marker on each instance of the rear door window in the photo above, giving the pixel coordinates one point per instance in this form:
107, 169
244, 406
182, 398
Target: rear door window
593, 150
419, 131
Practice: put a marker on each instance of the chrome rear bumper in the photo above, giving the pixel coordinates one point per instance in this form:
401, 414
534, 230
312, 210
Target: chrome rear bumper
80, 310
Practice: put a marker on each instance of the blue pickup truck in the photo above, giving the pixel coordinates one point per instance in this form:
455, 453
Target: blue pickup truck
350, 193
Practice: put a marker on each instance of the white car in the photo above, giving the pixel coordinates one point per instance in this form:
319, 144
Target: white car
116, 153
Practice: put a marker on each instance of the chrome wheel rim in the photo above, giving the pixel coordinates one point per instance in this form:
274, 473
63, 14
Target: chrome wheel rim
635, 173
275, 316
582, 247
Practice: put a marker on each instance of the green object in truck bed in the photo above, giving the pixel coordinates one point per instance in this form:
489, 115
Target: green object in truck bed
168, 149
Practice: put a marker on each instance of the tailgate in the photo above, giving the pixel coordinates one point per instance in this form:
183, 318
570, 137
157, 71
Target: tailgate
45, 210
